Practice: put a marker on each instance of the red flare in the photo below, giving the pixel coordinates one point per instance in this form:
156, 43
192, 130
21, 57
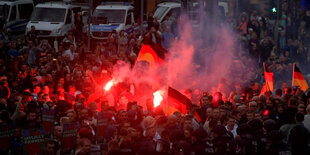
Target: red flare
108, 86
157, 98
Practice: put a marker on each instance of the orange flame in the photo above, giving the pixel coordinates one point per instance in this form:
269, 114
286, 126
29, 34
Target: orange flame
157, 98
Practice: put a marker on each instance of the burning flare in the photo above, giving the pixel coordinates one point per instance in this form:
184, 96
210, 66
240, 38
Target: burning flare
108, 86
157, 98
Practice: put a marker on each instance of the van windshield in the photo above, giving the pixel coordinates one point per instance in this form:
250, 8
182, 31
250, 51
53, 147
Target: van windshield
48, 14
4, 10
113, 16
160, 12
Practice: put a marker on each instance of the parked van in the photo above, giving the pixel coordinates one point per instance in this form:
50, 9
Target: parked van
111, 16
15, 14
52, 19
168, 8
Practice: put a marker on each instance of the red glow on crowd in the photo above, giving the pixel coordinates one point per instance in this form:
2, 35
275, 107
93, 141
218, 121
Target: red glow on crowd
157, 98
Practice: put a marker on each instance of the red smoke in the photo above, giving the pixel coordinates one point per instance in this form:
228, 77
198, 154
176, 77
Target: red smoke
189, 64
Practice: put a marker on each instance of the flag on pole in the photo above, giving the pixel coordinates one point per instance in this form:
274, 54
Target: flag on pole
269, 78
151, 53
298, 79
177, 102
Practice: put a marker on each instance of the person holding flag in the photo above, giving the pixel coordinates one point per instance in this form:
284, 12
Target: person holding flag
298, 79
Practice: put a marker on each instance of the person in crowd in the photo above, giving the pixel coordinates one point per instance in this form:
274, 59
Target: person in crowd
51, 148
13, 53
155, 35
299, 136
70, 52
167, 36
32, 53
243, 23
122, 41
307, 118
32, 34
232, 126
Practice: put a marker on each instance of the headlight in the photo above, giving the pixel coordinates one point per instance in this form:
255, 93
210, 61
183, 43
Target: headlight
58, 31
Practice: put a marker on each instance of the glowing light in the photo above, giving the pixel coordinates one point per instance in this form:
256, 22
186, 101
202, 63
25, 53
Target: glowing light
157, 98
108, 86
265, 112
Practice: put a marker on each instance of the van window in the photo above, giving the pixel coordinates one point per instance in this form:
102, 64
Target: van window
176, 11
25, 10
48, 14
160, 12
221, 11
69, 17
13, 13
113, 16
4, 10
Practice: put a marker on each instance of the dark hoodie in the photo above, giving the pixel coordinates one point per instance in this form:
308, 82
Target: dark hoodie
259, 138
223, 141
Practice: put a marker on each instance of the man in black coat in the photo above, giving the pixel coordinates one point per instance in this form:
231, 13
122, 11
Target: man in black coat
299, 137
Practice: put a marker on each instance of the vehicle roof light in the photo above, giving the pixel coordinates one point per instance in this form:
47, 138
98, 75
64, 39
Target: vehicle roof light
115, 3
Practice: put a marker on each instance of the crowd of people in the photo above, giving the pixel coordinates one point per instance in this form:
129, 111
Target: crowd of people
36, 77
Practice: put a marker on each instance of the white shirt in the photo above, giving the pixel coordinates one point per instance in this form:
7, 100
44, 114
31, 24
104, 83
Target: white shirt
68, 52
307, 122
233, 131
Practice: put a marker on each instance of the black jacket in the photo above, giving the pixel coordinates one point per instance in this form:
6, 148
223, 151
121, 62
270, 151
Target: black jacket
299, 140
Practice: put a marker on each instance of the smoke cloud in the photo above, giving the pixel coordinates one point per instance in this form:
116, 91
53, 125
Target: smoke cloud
195, 61
199, 66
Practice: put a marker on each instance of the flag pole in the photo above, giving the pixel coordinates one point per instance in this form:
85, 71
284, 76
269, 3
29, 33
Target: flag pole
293, 74
166, 107
264, 64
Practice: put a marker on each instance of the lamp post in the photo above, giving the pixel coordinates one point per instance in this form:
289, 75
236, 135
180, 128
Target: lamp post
276, 31
141, 17
90, 8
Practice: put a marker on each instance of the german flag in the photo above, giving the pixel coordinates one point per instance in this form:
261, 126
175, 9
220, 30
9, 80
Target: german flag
269, 77
151, 53
177, 102
298, 79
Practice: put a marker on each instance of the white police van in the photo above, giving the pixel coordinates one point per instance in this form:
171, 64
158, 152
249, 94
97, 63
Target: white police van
168, 8
111, 16
52, 19
15, 14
